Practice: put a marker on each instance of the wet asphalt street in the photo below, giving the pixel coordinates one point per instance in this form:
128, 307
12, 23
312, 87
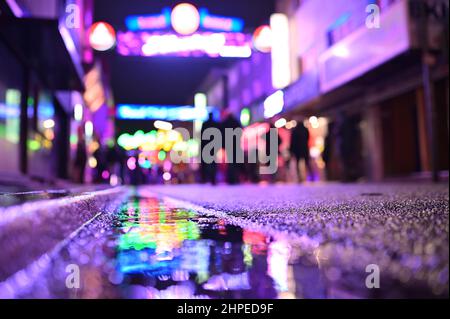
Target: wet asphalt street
278, 241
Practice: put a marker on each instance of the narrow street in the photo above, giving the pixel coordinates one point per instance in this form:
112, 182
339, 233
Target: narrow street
233, 158
183, 242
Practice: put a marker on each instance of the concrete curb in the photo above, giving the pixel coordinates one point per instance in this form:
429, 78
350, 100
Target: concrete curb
28, 232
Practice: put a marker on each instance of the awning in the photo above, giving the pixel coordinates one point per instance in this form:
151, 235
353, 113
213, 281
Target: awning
39, 44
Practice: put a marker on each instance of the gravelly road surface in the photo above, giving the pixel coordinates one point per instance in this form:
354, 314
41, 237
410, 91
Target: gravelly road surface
250, 241
402, 228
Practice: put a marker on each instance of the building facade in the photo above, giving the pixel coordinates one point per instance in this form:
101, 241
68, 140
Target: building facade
384, 64
45, 60
378, 65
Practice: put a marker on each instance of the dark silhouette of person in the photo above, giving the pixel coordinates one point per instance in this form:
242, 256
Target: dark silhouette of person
137, 175
347, 133
208, 171
100, 157
328, 150
116, 160
251, 167
272, 177
80, 156
233, 167
299, 147
122, 160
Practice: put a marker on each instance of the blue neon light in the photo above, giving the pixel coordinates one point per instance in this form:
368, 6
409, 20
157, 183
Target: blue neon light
9, 111
220, 23
149, 22
163, 21
132, 23
159, 112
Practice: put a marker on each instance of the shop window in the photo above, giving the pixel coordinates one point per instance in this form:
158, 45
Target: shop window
10, 98
10, 116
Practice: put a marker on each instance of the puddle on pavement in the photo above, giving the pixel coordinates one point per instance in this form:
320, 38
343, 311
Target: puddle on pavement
167, 252
156, 250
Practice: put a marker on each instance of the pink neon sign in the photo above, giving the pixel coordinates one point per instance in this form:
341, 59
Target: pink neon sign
234, 45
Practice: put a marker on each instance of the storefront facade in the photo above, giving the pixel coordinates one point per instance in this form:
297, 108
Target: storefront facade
41, 80
376, 77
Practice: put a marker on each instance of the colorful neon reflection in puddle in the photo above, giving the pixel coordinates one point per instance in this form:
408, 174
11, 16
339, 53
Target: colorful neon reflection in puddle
166, 252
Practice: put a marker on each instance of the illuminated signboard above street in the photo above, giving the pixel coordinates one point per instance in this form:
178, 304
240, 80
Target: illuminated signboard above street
218, 23
231, 45
185, 19
149, 22
184, 31
160, 112
180, 14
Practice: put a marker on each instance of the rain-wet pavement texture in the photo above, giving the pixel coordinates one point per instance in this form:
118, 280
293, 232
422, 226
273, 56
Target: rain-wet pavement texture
30, 231
253, 242
401, 228
10, 196
150, 248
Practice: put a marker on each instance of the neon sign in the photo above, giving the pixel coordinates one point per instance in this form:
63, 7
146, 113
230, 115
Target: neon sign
233, 45
102, 36
185, 19
149, 22
281, 68
187, 15
218, 23
150, 35
274, 104
156, 112
262, 39
245, 117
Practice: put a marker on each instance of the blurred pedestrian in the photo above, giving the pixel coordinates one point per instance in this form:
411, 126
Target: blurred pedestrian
299, 148
272, 177
208, 171
80, 156
137, 175
100, 157
234, 151
116, 160
328, 150
347, 133
251, 166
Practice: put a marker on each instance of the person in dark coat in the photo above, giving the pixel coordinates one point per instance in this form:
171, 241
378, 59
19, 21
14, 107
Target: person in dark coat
208, 171
299, 148
100, 157
80, 157
328, 150
347, 133
116, 158
272, 177
233, 167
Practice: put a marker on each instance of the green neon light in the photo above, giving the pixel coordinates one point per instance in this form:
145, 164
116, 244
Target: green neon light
245, 117
34, 145
12, 97
162, 155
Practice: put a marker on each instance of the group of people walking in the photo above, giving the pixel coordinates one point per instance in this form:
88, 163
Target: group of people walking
236, 171
340, 145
